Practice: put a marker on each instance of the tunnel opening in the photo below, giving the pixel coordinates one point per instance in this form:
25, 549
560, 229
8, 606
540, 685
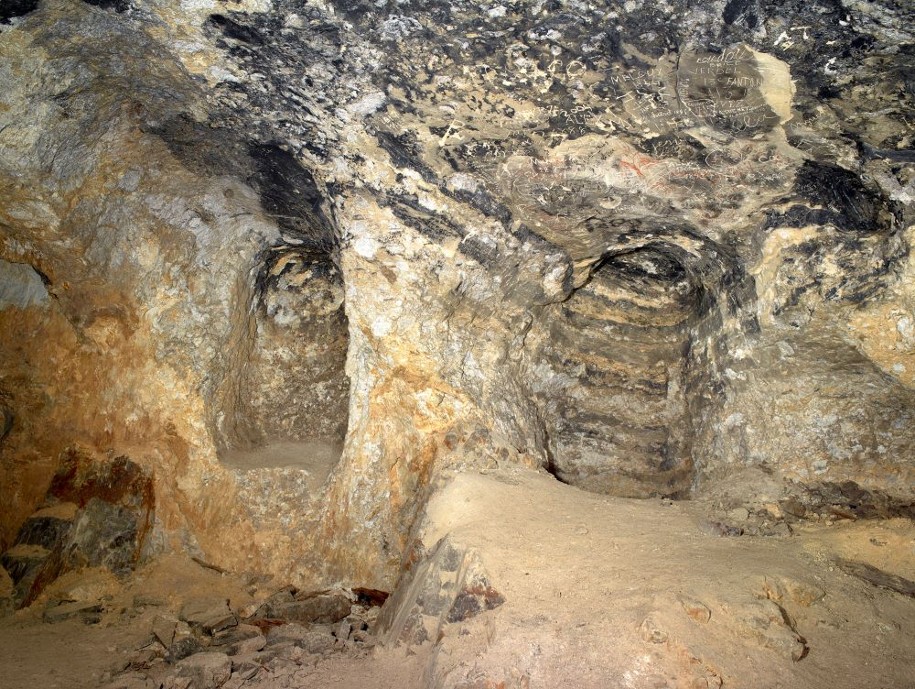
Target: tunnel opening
614, 403
292, 394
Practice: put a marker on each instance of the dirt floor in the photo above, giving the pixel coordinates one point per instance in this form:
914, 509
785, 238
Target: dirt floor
591, 592
317, 457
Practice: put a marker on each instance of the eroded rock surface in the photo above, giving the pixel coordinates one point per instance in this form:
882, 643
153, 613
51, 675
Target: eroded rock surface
643, 246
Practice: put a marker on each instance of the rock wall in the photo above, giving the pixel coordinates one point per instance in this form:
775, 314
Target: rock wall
641, 247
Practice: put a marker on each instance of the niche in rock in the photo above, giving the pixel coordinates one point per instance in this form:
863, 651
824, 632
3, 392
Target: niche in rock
609, 381
293, 392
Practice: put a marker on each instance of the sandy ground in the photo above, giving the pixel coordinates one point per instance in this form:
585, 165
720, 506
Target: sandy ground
317, 457
599, 592
604, 592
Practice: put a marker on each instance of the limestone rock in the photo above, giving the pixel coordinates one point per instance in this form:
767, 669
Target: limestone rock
208, 614
163, 628
241, 639
767, 623
447, 587
651, 632
877, 577
90, 613
319, 608
184, 646
206, 670
131, 681
96, 514
788, 590
312, 639
696, 609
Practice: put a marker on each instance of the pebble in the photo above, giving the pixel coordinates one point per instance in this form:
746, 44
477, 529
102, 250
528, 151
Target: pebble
739, 514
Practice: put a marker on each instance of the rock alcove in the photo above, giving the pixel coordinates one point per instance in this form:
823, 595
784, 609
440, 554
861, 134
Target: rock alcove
549, 325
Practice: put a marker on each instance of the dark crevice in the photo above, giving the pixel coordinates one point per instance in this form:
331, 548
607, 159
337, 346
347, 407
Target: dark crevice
118, 6
10, 9
290, 194
848, 203
232, 29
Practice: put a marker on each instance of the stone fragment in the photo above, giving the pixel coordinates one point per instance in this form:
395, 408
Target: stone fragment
184, 643
29, 566
788, 589
315, 639
133, 680
173, 682
794, 507
877, 577
767, 623
245, 666
652, 633
163, 628
145, 600
267, 609
713, 527
144, 657
696, 609
738, 515
106, 535
248, 611
448, 586
90, 613
343, 630
363, 637
476, 597
96, 514
47, 531
208, 670
208, 614
319, 608
235, 682
281, 649
780, 529
281, 654
244, 638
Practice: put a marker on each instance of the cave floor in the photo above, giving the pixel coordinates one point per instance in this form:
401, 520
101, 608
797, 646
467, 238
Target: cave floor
317, 456
598, 592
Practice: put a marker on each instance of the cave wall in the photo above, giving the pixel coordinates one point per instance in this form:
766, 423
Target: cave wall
638, 247
144, 264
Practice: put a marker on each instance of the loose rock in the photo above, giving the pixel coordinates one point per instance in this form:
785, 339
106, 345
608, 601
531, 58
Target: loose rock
206, 670
209, 615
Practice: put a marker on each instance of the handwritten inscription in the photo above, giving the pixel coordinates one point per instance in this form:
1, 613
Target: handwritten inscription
719, 90
563, 186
